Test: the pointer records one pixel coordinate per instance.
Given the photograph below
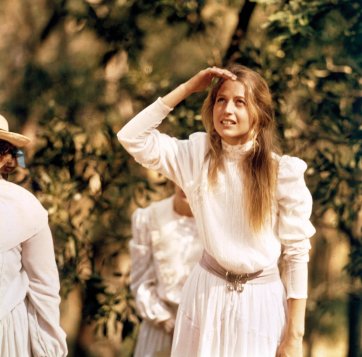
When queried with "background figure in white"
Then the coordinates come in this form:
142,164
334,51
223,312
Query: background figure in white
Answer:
164,249
29,281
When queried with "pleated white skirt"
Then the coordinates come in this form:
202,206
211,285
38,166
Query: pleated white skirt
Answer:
152,341
14,333
215,322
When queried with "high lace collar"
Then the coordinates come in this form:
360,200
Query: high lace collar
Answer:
235,151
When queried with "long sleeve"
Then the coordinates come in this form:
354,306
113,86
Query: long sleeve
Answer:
179,160
294,226
47,337
143,274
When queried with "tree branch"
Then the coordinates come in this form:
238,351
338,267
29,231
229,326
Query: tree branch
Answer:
240,31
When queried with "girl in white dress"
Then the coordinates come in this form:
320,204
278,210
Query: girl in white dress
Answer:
29,280
251,207
164,248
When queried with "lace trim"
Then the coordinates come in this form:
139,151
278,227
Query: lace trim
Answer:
235,151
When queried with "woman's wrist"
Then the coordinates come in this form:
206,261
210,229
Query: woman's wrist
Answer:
188,88
294,333
296,316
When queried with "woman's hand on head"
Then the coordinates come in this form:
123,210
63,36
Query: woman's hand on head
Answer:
200,81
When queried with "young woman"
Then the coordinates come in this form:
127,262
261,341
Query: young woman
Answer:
164,248
29,281
251,207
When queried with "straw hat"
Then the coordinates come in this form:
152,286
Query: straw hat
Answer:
13,138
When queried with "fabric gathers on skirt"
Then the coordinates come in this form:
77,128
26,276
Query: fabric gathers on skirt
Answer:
155,341
213,321
15,344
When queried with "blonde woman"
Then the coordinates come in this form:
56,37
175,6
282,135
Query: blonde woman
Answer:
251,207
29,281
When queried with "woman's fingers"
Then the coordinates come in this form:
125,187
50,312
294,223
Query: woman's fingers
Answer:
222,73
203,79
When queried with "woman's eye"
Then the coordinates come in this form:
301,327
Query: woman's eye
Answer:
220,100
240,102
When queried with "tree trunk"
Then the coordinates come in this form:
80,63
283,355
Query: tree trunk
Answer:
240,31
355,323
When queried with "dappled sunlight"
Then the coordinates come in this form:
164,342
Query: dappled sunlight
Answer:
72,73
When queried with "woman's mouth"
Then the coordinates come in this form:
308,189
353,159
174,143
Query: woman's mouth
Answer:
227,122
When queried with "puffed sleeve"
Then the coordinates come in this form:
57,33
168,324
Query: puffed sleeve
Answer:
294,226
178,160
143,275
47,337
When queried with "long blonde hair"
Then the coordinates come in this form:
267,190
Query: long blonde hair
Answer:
257,166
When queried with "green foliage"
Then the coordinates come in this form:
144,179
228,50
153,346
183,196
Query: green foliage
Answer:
78,179
325,314
116,22
354,267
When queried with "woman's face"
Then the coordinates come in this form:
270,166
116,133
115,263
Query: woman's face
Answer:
8,164
230,115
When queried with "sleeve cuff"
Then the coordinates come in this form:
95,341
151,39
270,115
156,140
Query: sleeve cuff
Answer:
165,106
148,118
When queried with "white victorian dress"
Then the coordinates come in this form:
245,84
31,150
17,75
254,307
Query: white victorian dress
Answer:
213,321
29,280
164,249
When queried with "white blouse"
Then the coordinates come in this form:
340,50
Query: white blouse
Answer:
28,271
219,212
164,248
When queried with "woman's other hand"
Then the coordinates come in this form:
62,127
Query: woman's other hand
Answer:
168,325
290,347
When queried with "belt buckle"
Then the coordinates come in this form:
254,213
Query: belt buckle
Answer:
236,282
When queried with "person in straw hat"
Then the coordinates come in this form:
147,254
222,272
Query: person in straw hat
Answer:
29,280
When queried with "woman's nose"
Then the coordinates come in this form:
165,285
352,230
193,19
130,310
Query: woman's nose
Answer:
229,106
